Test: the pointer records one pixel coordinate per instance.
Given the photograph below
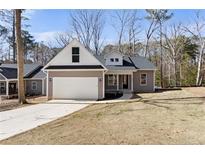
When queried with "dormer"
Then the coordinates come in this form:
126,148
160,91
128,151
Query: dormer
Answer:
113,58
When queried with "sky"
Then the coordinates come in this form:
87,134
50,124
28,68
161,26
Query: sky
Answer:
46,23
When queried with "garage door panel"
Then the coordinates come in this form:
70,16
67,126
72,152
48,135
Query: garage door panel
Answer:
75,87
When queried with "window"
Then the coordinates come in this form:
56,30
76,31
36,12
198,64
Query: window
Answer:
75,55
112,59
116,59
143,79
112,80
34,85
2,86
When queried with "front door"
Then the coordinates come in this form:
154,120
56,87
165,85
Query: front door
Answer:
125,81
12,88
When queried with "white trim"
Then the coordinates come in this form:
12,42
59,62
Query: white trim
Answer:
24,79
103,84
12,79
42,86
34,79
120,72
3,76
117,81
140,79
47,80
75,70
7,87
4,85
132,82
32,85
154,80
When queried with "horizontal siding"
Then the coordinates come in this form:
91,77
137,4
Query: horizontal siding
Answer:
150,81
28,85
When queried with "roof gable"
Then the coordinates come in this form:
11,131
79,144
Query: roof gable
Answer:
9,71
64,57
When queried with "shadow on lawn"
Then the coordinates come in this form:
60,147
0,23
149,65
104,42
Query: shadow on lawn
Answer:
175,101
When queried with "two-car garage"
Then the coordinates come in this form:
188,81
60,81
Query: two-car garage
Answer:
75,73
75,85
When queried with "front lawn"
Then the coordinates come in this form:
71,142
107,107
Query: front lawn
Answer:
172,117
10,104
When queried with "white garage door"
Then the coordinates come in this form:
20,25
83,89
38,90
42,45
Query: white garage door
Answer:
75,87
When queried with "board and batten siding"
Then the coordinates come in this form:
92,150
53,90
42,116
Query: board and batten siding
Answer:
149,87
98,74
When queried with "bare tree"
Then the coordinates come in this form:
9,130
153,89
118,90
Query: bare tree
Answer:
149,32
133,29
120,22
125,23
63,39
174,44
98,26
20,56
87,27
197,31
160,16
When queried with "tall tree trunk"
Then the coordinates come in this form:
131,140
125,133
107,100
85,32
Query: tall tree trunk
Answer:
146,48
20,57
199,65
161,57
14,38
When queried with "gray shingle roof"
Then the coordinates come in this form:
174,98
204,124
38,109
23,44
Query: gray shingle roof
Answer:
129,63
9,73
142,63
39,75
10,70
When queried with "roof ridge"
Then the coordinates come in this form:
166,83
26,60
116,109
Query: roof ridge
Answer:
36,70
133,62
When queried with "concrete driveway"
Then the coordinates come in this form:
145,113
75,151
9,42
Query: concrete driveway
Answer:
16,121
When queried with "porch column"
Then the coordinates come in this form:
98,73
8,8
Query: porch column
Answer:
7,88
117,82
42,86
103,84
132,82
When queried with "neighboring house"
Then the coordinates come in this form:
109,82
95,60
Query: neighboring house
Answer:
34,77
75,73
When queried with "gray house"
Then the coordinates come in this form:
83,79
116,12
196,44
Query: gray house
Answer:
75,73
34,77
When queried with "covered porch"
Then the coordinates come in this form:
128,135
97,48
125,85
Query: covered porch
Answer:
8,88
119,82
